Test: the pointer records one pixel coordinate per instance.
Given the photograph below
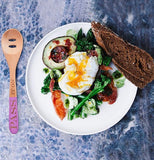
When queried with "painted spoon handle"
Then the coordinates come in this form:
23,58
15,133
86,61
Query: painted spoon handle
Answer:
13,111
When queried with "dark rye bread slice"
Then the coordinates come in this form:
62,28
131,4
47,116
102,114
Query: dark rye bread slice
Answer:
134,80
130,58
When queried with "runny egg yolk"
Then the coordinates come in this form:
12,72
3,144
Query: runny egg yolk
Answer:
76,75
79,73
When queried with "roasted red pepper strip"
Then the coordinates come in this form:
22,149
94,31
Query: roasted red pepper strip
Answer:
111,98
57,102
51,85
105,68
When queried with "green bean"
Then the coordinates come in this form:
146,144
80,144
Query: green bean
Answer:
81,96
90,95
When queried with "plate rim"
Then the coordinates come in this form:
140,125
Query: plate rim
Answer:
27,90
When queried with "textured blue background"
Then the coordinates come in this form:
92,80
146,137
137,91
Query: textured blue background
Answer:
130,139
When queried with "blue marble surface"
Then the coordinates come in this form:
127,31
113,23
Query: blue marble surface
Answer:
130,139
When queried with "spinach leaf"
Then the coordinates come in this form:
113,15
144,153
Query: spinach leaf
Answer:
106,60
85,43
90,35
46,70
80,34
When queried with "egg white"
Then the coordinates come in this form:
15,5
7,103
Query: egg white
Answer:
90,70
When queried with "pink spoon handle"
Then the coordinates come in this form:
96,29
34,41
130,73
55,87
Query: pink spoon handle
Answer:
13,110
13,115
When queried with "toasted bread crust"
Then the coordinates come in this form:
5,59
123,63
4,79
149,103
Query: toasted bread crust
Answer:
131,59
134,80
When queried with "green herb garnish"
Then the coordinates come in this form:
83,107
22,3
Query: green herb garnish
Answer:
45,89
46,70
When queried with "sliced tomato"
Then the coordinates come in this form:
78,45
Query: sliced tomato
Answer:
105,68
58,104
57,101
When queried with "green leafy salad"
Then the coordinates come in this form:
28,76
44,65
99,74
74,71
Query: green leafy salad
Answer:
78,75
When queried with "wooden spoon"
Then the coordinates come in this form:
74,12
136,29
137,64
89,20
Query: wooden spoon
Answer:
12,44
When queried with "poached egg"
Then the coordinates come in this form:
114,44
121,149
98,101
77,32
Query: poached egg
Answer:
79,73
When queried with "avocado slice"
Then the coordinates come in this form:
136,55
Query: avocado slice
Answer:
99,53
57,50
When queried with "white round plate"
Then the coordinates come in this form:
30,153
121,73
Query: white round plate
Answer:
109,114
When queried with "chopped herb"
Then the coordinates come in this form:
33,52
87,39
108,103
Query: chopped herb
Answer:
46,70
45,89
47,80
